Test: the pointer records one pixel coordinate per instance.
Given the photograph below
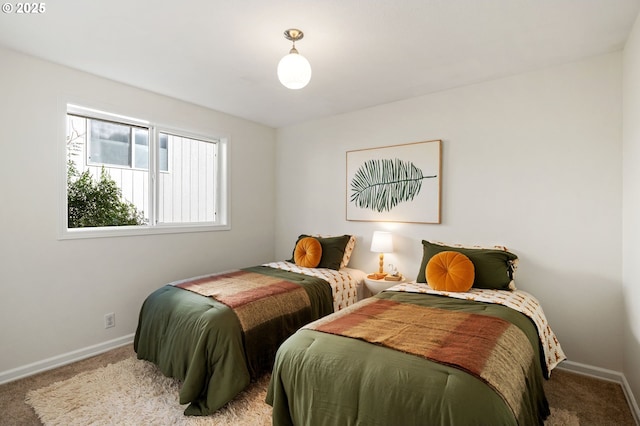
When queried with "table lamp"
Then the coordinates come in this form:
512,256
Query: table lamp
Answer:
381,243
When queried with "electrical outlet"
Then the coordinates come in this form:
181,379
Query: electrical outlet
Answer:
109,320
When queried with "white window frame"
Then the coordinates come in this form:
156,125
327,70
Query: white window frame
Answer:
221,201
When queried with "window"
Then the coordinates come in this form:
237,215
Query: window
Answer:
130,176
111,144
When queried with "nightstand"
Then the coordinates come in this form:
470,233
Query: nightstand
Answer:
376,286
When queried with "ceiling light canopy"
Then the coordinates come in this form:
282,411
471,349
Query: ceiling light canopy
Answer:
294,71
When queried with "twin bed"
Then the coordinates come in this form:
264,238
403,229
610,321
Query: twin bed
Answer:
409,355
413,355
218,332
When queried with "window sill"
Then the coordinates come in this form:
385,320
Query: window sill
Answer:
129,231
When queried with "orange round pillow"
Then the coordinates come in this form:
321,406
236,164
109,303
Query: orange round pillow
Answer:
308,253
450,271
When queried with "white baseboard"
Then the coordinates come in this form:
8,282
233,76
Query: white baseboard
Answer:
605,374
64,359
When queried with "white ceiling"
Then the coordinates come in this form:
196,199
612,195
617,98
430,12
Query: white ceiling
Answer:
223,54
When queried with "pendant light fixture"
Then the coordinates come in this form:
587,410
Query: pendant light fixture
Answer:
294,71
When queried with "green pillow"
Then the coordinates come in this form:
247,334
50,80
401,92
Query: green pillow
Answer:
332,250
493,267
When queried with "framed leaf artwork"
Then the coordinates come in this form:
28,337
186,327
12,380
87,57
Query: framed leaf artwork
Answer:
399,183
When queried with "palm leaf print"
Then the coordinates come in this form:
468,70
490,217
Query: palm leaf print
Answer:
382,184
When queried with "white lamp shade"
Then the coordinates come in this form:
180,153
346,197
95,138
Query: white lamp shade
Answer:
382,242
294,71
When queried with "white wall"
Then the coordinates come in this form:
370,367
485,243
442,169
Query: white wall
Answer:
531,161
55,293
631,207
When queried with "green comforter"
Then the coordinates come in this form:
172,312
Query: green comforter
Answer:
324,379
199,340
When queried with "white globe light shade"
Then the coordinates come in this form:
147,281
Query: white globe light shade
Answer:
294,71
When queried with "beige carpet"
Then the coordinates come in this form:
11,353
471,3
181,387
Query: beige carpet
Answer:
134,392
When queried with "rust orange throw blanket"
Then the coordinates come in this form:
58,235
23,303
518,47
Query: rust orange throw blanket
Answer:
255,298
269,309
492,349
